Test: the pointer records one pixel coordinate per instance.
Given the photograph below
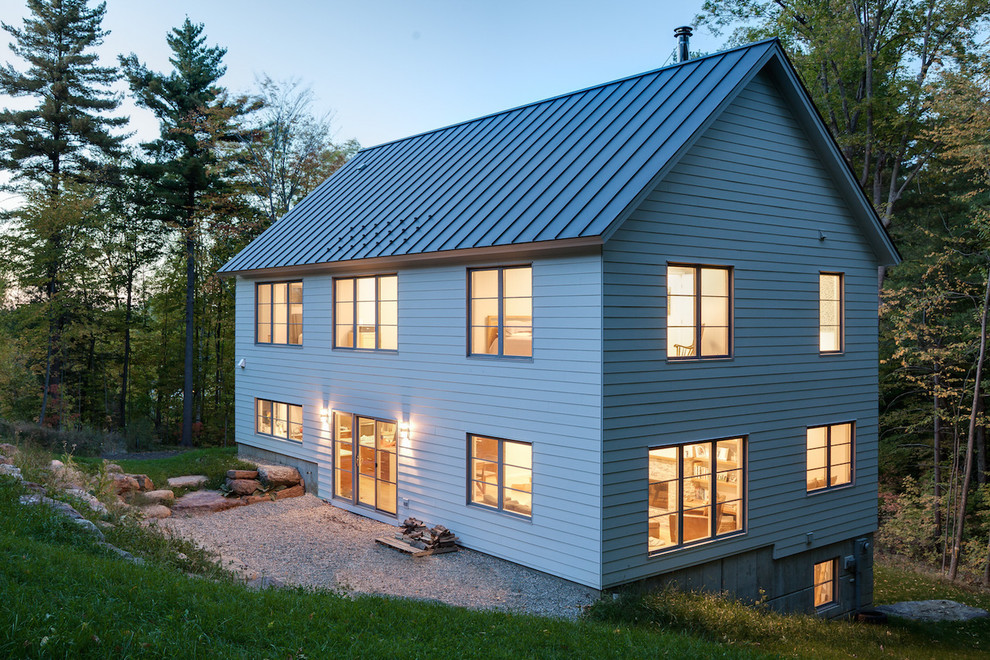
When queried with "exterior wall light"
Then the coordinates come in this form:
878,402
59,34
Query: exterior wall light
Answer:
404,430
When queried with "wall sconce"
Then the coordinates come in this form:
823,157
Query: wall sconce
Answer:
404,430
325,417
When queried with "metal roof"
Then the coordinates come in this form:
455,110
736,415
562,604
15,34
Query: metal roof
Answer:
564,168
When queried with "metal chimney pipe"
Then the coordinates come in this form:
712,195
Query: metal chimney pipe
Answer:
683,35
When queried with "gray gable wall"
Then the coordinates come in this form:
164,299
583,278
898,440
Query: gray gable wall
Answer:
752,194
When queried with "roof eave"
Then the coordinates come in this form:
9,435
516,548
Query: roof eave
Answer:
516,251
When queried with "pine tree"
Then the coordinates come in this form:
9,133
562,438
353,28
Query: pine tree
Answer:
64,137
189,178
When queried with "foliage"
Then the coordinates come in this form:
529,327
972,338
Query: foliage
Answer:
210,461
718,618
907,523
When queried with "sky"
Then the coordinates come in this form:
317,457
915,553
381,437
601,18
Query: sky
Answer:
389,69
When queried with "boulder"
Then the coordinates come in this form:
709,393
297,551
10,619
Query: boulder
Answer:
159,496
113,468
124,484
243,486
90,501
56,465
143,482
6,461
189,481
8,449
933,610
295,491
204,501
278,475
155,511
11,471
242,474
254,499
66,510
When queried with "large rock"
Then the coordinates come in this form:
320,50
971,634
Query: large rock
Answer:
159,496
8,449
278,475
11,471
242,474
933,610
204,501
143,481
124,483
112,468
243,486
66,510
294,491
189,481
6,461
155,511
90,501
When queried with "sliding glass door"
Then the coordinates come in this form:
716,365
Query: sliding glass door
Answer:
365,463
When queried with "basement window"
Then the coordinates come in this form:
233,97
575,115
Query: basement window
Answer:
825,583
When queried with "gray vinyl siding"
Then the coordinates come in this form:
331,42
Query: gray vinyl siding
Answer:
552,401
750,194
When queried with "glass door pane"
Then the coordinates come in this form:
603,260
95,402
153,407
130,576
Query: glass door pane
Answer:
366,461
387,465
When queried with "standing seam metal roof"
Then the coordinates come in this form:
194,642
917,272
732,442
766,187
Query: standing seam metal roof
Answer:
562,168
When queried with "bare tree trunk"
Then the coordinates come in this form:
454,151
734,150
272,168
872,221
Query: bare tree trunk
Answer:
127,348
187,389
937,454
971,438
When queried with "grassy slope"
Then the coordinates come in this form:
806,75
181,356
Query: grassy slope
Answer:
65,597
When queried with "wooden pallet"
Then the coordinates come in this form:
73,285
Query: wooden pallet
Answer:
411,549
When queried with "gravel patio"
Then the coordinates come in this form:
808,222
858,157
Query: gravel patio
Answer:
308,542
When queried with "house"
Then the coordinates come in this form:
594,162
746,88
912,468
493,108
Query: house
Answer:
626,335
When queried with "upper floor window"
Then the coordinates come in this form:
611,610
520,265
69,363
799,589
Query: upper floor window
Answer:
501,474
279,311
695,492
830,451
281,420
501,311
366,312
698,311
830,312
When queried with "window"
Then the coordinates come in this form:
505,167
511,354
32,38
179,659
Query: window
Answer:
830,456
698,312
501,474
695,492
280,420
365,463
830,312
825,574
279,309
366,312
501,314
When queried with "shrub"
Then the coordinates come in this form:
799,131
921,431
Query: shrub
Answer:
907,523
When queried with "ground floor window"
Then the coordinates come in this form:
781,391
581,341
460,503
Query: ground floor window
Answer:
696,492
501,474
365,463
825,575
280,420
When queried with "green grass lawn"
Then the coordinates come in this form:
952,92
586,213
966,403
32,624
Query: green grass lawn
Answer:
65,596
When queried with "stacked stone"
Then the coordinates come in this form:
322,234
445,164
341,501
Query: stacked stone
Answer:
267,483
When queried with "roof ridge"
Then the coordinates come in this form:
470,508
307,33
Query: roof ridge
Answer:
566,94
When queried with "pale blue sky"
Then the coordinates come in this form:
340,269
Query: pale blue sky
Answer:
391,69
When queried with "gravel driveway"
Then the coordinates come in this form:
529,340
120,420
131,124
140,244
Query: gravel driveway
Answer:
306,541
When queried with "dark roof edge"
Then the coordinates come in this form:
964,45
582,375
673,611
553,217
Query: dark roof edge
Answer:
516,251
566,94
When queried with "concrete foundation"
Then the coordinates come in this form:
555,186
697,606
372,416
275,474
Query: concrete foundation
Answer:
785,584
306,468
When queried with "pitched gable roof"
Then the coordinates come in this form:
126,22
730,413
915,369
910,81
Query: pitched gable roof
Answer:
569,167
